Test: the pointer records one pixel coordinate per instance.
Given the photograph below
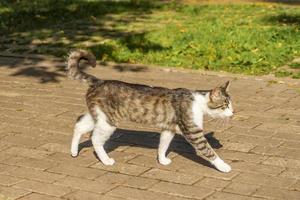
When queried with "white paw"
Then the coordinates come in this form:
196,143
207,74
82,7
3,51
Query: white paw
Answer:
74,153
109,161
224,167
221,165
165,161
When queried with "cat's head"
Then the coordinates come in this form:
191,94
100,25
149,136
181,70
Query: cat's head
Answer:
219,104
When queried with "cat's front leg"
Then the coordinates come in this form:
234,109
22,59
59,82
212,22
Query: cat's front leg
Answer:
196,138
164,143
220,165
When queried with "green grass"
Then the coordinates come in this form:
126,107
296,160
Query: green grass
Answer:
295,65
251,39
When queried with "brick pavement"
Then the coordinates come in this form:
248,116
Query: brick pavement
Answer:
39,105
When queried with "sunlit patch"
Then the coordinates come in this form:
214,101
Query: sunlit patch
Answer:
221,123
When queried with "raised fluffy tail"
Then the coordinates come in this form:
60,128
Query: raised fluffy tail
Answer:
73,70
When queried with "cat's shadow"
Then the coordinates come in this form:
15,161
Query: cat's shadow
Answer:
179,145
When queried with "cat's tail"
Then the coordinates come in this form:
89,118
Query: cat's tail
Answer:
73,70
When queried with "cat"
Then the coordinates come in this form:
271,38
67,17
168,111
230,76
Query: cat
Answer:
174,111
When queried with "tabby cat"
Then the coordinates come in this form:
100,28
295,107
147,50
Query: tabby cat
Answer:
174,111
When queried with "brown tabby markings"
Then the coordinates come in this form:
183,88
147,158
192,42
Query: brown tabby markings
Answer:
167,109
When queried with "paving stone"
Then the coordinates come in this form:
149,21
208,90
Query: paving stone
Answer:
277,151
85,184
4,156
55,147
182,190
241,156
258,168
142,151
80,195
18,113
255,140
265,180
12,193
122,168
170,176
292,135
296,186
43,188
9,180
270,193
291,144
214,183
40,164
4,145
229,196
122,156
261,150
241,188
244,123
33,174
291,173
36,196
250,132
282,162
126,180
25,152
235,146
6,168
22,141
284,131
132,193
147,161
81,160
76,171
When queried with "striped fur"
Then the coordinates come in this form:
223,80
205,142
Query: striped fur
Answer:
73,70
174,111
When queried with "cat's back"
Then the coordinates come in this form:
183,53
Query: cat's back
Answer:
138,103
130,90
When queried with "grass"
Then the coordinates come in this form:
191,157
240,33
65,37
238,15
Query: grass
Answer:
240,38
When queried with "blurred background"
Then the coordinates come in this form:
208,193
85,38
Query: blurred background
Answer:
239,36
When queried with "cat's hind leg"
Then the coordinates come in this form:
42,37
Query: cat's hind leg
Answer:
102,132
84,124
164,143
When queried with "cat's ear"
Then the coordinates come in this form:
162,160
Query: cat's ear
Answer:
215,94
225,86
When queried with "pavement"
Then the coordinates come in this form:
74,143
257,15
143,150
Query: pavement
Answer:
39,106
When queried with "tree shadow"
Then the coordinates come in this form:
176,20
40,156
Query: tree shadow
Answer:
54,27
36,68
125,68
289,2
145,139
39,14
137,41
284,19
40,72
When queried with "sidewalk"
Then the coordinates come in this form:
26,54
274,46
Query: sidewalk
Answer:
39,106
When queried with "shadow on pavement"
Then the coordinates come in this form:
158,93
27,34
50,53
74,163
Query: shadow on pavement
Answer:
123,137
